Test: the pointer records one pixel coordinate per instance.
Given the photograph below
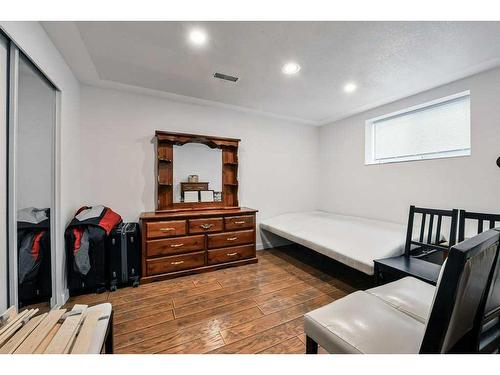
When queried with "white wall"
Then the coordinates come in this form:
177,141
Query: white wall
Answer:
278,159
385,191
34,41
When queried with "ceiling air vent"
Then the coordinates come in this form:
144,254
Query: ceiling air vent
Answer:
225,77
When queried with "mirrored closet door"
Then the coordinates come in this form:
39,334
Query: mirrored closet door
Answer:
32,117
3,171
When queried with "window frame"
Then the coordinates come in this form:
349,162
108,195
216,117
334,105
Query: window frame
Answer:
370,133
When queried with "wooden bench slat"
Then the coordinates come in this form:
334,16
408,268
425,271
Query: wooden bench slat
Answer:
11,345
84,338
31,344
67,331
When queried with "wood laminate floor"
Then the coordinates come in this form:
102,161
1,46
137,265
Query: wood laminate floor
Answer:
256,308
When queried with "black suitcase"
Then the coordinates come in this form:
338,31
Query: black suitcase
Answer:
123,256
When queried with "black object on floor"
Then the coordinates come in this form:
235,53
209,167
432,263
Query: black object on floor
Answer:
123,256
95,280
86,238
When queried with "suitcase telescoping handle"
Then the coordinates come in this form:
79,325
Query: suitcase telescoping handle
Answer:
123,249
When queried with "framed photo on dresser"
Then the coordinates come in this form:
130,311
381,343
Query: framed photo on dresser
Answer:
191,197
206,196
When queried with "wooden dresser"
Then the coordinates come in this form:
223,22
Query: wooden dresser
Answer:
176,243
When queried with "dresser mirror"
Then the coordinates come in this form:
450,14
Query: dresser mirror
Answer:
197,173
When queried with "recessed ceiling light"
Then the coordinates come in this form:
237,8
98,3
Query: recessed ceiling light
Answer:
290,68
198,37
350,87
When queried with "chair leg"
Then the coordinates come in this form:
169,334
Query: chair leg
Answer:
311,346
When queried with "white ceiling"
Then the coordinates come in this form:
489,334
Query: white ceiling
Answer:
387,60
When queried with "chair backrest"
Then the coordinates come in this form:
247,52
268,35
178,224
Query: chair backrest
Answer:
431,238
461,295
489,337
476,222
483,221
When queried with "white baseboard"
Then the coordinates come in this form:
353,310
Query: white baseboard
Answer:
64,296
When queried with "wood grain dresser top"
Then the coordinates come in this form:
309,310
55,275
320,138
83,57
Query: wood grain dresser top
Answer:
171,214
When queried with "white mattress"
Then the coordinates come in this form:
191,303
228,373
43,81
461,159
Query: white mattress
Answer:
351,240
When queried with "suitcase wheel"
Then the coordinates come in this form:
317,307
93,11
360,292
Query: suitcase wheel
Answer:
112,285
135,284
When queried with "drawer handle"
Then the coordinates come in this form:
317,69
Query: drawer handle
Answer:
206,226
177,245
177,263
166,229
240,222
232,238
231,254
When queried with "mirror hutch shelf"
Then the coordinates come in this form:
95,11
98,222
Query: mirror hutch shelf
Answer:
182,238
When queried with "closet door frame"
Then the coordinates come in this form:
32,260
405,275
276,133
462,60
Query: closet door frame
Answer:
4,84
55,222
11,189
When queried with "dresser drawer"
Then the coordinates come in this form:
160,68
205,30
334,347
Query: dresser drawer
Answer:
177,245
239,222
205,225
157,229
175,263
230,239
230,254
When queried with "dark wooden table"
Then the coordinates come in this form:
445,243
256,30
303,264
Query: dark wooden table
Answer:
390,269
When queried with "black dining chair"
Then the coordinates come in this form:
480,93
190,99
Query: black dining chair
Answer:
363,322
482,221
469,224
456,319
425,246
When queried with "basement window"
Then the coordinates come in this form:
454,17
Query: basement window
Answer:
432,130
